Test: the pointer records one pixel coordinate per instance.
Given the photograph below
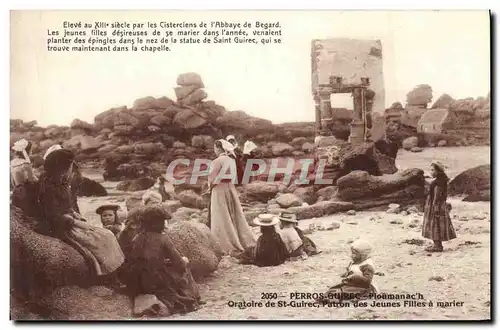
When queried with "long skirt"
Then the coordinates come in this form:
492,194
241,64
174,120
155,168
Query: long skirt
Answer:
227,221
99,247
437,224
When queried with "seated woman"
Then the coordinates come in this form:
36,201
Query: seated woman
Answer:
357,281
308,246
270,249
290,237
109,217
97,245
23,180
155,267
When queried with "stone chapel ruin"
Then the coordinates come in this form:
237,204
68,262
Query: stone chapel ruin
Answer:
348,66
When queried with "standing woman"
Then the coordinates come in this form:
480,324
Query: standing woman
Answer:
23,179
227,221
437,222
97,245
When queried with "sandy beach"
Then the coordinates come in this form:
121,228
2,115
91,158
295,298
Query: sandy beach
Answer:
457,279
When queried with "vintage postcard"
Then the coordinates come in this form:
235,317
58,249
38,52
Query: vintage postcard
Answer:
250,165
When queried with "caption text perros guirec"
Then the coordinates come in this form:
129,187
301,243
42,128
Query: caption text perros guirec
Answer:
157,37
341,300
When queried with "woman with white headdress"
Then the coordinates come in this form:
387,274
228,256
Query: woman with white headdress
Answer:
227,221
23,179
249,150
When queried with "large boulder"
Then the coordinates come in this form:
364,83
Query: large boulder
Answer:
194,98
305,194
40,263
107,118
85,304
474,182
190,79
189,119
183,214
288,200
160,120
410,143
85,187
149,148
365,190
81,125
261,191
239,121
82,142
195,241
136,184
191,199
282,149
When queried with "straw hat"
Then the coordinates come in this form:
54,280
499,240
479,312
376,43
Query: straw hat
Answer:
288,217
266,220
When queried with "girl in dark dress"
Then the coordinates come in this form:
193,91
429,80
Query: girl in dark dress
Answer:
270,249
437,224
155,267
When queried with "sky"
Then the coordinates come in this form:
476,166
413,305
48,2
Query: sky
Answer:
449,50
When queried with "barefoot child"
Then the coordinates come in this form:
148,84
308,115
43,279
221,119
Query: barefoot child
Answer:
357,281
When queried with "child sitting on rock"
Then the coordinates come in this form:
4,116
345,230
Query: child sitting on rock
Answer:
357,282
270,249
109,217
290,236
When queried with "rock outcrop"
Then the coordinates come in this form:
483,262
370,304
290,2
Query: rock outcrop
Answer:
475,183
342,158
367,191
41,263
195,241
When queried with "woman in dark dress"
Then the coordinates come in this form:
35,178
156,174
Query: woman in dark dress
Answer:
60,219
238,157
270,249
437,224
155,267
